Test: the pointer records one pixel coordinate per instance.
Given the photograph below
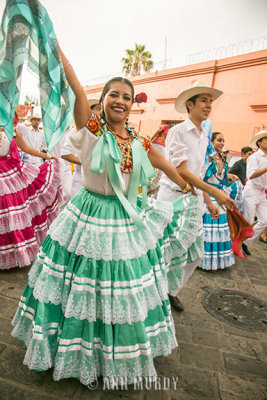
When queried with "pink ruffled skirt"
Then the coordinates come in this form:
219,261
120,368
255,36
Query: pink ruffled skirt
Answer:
29,198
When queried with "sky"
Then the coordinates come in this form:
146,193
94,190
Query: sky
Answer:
95,33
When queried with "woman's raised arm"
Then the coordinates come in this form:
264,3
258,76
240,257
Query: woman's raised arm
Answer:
82,111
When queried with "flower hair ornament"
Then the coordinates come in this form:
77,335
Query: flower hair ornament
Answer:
140,98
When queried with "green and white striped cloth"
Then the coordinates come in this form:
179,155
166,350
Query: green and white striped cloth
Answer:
27,37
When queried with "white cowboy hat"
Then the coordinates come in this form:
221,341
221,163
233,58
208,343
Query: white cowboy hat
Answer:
225,150
93,102
37,113
257,137
193,90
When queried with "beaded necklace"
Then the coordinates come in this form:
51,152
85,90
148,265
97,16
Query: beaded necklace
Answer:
116,134
220,163
124,145
104,123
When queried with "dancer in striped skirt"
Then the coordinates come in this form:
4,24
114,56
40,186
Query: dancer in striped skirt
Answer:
217,241
29,197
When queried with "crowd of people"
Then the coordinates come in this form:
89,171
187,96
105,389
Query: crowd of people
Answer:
107,262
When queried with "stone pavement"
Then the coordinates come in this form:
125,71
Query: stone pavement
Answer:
214,360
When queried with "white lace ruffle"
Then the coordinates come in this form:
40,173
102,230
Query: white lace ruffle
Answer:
92,243
56,281
217,235
50,349
79,302
19,257
41,355
11,180
213,264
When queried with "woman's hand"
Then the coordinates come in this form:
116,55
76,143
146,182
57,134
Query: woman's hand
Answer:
50,157
232,177
223,199
213,210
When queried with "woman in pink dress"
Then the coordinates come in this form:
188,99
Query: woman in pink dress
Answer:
29,197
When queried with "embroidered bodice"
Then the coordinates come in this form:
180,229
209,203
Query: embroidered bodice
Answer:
95,126
104,166
216,173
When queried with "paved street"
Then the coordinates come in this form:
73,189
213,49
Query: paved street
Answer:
215,360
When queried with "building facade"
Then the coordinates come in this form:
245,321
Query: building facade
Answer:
239,113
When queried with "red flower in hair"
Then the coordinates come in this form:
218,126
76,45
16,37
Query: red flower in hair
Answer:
141,98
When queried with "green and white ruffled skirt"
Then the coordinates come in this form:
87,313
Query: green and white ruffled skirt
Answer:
96,302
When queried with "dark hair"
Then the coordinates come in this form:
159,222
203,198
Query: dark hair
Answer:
116,79
93,106
193,99
257,143
214,135
246,149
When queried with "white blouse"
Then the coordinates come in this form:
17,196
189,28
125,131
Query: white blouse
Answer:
85,142
4,144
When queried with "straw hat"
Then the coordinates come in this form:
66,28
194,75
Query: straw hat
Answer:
257,137
93,102
225,150
195,89
37,113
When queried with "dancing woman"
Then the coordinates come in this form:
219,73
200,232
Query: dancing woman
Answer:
96,302
29,197
217,242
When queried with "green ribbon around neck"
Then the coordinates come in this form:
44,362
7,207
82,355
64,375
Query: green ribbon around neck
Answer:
107,154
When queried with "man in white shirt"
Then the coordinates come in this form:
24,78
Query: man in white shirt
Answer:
255,191
186,147
33,136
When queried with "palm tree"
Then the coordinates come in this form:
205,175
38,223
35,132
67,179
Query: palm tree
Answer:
31,101
136,60
128,62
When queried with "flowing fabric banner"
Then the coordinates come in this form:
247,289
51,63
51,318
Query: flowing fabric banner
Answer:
27,37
